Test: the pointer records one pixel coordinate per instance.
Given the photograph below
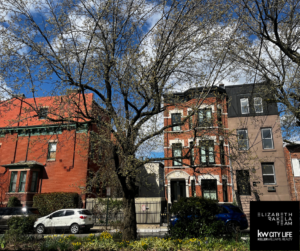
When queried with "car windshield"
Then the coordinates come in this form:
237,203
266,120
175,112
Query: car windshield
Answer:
85,212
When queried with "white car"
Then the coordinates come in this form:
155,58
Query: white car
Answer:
67,219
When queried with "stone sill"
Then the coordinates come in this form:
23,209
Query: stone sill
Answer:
51,160
269,150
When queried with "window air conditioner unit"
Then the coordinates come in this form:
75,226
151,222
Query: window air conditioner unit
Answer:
271,189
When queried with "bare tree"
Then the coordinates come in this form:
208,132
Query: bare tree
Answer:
127,52
266,48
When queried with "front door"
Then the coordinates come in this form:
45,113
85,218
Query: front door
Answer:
177,190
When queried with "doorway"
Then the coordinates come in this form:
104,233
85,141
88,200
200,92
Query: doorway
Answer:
177,190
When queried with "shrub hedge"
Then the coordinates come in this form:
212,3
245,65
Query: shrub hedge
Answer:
14,202
197,218
50,202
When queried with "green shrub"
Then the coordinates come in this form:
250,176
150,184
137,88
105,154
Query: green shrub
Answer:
14,202
197,218
50,202
23,224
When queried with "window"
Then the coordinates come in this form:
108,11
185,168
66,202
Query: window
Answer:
33,187
222,155
13,181
176,118
69,212
267,140
43,112
243,182
52,150
190,120
244,105
219,116
192,153
58,214
204,117
177,152
209,189
268,173
258,107
207,155
243,139
85,212
22,181
193,185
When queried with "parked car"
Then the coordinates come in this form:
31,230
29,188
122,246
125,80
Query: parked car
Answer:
7,212
231,215
73,220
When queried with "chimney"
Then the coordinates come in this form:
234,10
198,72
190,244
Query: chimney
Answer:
72,91
222,86
18,95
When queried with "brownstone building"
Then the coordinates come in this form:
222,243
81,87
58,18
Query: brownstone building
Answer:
200,145
40,156
258,161
292,161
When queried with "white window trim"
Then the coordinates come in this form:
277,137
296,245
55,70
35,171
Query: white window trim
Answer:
209,177
176,141
247,105
263,138
261,105
175,111
268,174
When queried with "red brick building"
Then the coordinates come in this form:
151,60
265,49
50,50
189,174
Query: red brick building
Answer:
41,156
202,167
292,162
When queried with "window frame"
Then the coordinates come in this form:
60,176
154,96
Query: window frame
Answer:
34,182
174,147
174,121
205,121
207,144
215,187
244,99
190,120
261,105
273,167
49,152
219,116
247,139
247,189
192,154
21,182
222,153
13,175
262,139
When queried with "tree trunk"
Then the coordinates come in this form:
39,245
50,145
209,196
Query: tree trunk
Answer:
129,224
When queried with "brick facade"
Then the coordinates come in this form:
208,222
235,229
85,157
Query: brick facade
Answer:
188,176
24,146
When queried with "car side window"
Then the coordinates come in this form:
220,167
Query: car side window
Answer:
69,213
58,214
223,210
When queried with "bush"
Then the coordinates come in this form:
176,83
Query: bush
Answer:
50,202
197,218
14,202
23,224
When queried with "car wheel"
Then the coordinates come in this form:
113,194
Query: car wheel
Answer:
74,228
40,229
232,227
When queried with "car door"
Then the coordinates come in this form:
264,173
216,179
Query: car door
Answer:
58,219
223,214
69,218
